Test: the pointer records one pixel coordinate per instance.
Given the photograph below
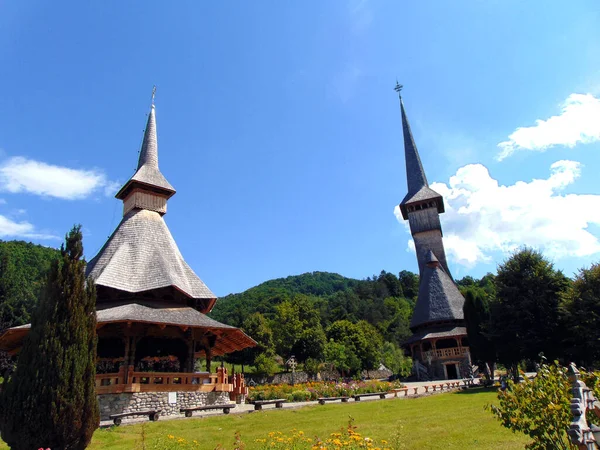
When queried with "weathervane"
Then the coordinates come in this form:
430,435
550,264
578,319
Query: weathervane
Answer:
398,88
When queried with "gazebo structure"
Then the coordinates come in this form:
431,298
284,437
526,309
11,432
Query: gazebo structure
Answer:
439,344
151,308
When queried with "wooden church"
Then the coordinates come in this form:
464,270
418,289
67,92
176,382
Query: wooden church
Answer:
439,344
151,308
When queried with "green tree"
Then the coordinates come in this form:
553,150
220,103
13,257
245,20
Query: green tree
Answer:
359,339
477,317
583,341
265,364
340,358
370,354
393,358
50,401
257,327
528,311
297,329
410,284
396,328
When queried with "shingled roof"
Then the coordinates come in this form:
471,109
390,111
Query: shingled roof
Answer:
229,338
418,187
141,255
439,299
148,173
436,333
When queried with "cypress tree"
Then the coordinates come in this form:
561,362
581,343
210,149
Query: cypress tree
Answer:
50,401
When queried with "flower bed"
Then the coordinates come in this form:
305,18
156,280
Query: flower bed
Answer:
304,392
347,438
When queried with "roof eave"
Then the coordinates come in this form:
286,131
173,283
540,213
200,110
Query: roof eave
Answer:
159,189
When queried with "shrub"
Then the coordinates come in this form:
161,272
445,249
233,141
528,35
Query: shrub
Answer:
540,407
264,364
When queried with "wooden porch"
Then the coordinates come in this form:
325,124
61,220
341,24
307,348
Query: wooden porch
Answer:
128,380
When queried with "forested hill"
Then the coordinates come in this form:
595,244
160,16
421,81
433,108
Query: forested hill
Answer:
385,301
23,267
233,308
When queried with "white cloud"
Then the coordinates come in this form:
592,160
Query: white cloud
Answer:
19,174
578,122
361,15
483,216
111,188
11,229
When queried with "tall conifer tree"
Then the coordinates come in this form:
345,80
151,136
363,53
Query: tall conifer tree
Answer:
50,401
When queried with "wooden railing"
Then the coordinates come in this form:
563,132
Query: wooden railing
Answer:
445,353
127,380
239,385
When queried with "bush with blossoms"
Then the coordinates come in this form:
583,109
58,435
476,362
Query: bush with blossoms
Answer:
303,392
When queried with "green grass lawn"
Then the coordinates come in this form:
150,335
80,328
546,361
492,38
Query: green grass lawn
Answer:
445,421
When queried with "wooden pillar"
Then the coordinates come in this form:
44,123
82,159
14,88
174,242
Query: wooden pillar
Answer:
190,356
208,351
126,355
134,342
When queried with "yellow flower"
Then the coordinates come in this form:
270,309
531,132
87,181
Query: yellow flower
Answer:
180,440
383,441
171,436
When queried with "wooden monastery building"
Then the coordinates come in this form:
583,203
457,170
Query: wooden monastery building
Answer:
151,308
439,344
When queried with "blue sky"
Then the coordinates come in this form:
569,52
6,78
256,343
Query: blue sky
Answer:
279,127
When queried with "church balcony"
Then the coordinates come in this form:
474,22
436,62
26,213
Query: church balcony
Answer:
127,380
444,353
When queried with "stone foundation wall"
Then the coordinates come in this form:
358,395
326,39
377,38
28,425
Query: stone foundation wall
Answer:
436,369
143,401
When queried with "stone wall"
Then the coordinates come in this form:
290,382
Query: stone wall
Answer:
144,401
436,369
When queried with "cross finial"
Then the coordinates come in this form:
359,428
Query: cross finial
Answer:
398,88
153,94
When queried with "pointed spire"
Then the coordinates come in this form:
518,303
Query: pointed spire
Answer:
148,176
149,151
415,174
418,187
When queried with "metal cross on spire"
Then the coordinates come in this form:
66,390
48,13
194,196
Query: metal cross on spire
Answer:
153,94
398,88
